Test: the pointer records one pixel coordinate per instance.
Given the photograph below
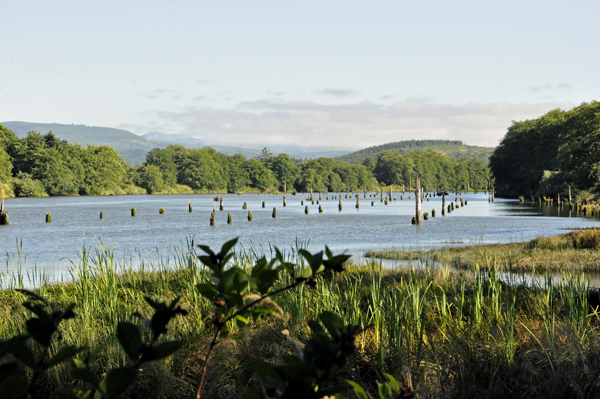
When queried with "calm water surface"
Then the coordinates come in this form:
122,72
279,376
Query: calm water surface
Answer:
76,223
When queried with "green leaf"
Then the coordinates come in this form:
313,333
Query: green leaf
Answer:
358,391
166,349
227,246
208,291
332,322
265,280
119,380
130,338
206,249
40,330
385,390
393,382
64,354
23,353
85,375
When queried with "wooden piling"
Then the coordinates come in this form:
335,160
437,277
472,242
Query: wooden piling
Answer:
221,204
132,211
274,214
320,208
190,208
263,204
212,218
357,203
161,211
249,216
284,202
245,206
101,215
418,202
229,218
48,218
3,215
433,213
306,209
340,205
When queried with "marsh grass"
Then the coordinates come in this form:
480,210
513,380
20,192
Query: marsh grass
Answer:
578,251
451,335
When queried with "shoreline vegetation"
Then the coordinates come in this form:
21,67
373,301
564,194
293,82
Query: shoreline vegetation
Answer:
44,165
574,252
448,334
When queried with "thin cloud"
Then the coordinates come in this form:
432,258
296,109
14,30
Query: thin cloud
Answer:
349,126
560,86
338,92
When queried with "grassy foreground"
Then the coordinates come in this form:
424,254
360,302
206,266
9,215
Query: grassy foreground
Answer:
574,252
450,335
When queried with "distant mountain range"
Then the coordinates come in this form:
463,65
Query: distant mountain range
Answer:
134,148
451,148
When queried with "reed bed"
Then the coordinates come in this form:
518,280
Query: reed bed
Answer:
448,334
574,252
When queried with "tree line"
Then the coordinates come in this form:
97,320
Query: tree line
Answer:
38,165
547,155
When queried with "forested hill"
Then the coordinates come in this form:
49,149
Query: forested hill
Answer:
132,147
451,148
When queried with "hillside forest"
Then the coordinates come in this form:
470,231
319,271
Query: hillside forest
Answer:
547,155
43,164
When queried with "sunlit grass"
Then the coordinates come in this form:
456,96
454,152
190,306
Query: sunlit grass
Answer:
449,334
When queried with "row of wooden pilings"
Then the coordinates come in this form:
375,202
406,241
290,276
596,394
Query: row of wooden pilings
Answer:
383,198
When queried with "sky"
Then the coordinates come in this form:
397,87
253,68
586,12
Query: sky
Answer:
321,74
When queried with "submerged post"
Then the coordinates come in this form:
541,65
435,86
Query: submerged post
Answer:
284,202
190,207
3,215
418,202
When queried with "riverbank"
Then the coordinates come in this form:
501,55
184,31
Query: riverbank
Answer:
573,252
447,334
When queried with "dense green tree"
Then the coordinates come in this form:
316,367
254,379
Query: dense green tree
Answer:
202,170
284,169
260,177
150,177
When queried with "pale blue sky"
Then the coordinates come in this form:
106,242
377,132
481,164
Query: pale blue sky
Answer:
343,74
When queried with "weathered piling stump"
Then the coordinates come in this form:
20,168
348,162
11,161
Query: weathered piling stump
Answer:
425,215
433,213
372,203
340,204
249,216
3,215
450,208
229,218
161,211
212,218
306,209
301,202
284,202
221,204
263,204
190,208
245,206
274,214
101,215
132,211
48,218
357,202
320,208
